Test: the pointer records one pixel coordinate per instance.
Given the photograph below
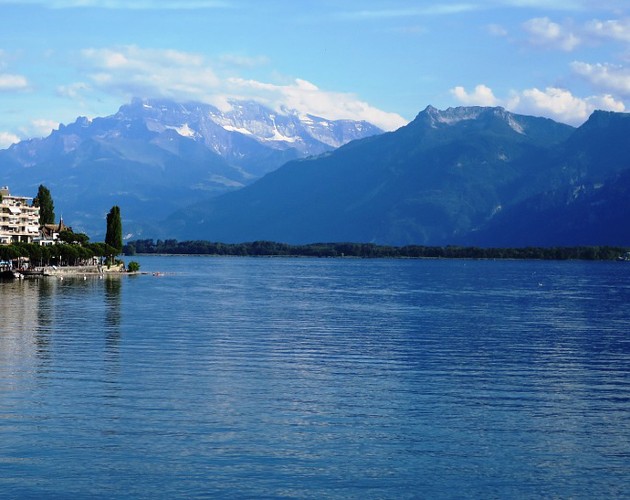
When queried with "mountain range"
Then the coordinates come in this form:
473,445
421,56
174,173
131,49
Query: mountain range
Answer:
155,156
468,176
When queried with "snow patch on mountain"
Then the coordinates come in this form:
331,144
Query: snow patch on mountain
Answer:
183,130
453,116
231,128
279,137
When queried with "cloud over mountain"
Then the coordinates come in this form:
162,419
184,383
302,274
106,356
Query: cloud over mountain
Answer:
609,82
609,77
6,139
544,32
359,59
136,71
552,102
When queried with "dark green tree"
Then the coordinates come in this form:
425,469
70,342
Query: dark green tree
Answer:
113,236
71,237
133,267
44,201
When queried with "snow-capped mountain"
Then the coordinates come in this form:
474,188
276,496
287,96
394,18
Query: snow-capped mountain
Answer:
460,176
154,156
444,177
247,130
536,128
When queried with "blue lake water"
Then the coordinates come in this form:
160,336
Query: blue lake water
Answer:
318,378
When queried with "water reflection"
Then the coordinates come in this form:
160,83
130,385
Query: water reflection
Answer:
40,318
113,287
252,378
45,291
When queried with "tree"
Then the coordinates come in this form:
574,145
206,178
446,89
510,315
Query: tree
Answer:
44,201
113,236
70,237
133,267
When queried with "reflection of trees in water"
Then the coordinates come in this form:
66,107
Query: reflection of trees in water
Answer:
38,317
45,320
18,323
113,287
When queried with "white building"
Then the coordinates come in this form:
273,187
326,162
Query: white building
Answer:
19,221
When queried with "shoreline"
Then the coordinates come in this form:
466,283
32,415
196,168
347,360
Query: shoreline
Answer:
81,270
69,272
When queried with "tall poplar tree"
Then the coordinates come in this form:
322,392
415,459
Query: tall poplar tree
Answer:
113,236
44,201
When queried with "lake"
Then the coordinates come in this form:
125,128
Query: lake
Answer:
318,378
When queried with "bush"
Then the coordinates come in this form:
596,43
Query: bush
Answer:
133,267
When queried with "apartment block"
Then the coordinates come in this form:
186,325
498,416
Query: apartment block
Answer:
19,220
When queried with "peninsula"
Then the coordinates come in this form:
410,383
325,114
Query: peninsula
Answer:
33,244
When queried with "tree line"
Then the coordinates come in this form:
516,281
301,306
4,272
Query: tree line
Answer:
368,250
63,254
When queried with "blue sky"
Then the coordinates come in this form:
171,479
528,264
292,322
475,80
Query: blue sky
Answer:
383,61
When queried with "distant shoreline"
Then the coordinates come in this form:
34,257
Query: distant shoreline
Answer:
368,250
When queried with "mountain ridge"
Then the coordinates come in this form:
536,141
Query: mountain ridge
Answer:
414,185
154,156
468,175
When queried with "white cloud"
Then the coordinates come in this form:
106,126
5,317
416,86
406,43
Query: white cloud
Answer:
546,33
435,9
126,4
40,127
7,138
552,102
562,105
133,71
137,72
73,91
543,32
307,98
481,96
496,30
612,29
608,77
548,4
244,61
10,82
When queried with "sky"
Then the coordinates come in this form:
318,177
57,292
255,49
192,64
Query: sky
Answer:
377,60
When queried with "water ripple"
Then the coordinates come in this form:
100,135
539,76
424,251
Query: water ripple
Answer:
318,378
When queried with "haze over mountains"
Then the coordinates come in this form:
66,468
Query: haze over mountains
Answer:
468,175
154,156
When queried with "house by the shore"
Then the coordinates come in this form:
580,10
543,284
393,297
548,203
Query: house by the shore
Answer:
49,233
19,219
19,222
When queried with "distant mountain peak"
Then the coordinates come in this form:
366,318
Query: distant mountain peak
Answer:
436,118
189,150
284,129
602,119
